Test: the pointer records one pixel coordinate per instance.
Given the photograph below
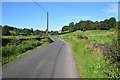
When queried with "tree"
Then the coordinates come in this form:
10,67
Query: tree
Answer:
16,31
32,30
5,31
65,28
54,32
90,25
112,22
84,25
37,32
104,25
71,24
26,31
0,30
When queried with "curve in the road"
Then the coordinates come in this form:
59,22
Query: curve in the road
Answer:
54,60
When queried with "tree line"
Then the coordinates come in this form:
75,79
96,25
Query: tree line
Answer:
9,30
90,25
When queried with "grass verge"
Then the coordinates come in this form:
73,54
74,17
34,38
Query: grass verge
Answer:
11,52
95,61
90,65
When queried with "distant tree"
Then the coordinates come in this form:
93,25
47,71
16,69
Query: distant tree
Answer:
54,32
71,24
65,28
112,22
26,31
104,25
32,30
90,25
77,26
71,29
5,31
84,25
37,32
0,30
16,31
118,25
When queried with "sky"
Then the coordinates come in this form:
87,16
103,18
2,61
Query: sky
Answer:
61,0
29,15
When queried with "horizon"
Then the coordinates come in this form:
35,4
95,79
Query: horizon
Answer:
49,30
60,13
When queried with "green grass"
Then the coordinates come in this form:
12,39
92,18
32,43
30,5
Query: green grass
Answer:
20,37
90,60
16,49
100,36
90,65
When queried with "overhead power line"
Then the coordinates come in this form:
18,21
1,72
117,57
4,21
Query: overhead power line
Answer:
39,6
46,14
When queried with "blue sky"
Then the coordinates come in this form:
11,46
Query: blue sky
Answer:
29,15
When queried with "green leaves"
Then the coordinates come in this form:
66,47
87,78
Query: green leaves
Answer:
90,25
15,49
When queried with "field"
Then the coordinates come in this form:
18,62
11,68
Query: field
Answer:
94,62
100,36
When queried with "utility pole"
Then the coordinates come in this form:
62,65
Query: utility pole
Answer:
47,25
46,16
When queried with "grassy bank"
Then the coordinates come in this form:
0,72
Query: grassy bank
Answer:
18,48
100,36
91,61
90,65
20,37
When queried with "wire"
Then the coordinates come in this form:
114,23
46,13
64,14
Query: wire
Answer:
39,6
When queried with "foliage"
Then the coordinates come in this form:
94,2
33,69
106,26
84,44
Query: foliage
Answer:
111,52
90,65
37,32
5,31
96,62
81,37
27,31
17,48
90,25
100,36
13,31
113,29
54,32
0,30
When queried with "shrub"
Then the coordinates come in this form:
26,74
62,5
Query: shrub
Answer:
81,37
113,29
113,56
13,49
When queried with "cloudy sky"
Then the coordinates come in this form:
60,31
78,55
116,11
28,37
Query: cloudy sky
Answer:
29,15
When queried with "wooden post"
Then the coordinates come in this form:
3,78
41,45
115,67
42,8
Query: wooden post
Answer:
47,25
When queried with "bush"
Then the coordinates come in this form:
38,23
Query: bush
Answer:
112,51
113,56
113,29
81,37
13,49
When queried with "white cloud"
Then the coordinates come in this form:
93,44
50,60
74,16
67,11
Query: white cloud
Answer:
77,17
112,8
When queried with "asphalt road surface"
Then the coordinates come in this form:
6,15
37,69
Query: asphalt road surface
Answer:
54,60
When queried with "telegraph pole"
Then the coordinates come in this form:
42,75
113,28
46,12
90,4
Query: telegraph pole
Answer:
46,16
47,25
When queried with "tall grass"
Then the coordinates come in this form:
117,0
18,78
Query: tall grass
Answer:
112,54
100,36
90,65
15,48
21,37
95,62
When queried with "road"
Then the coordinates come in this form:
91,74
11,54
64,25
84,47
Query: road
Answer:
54,60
